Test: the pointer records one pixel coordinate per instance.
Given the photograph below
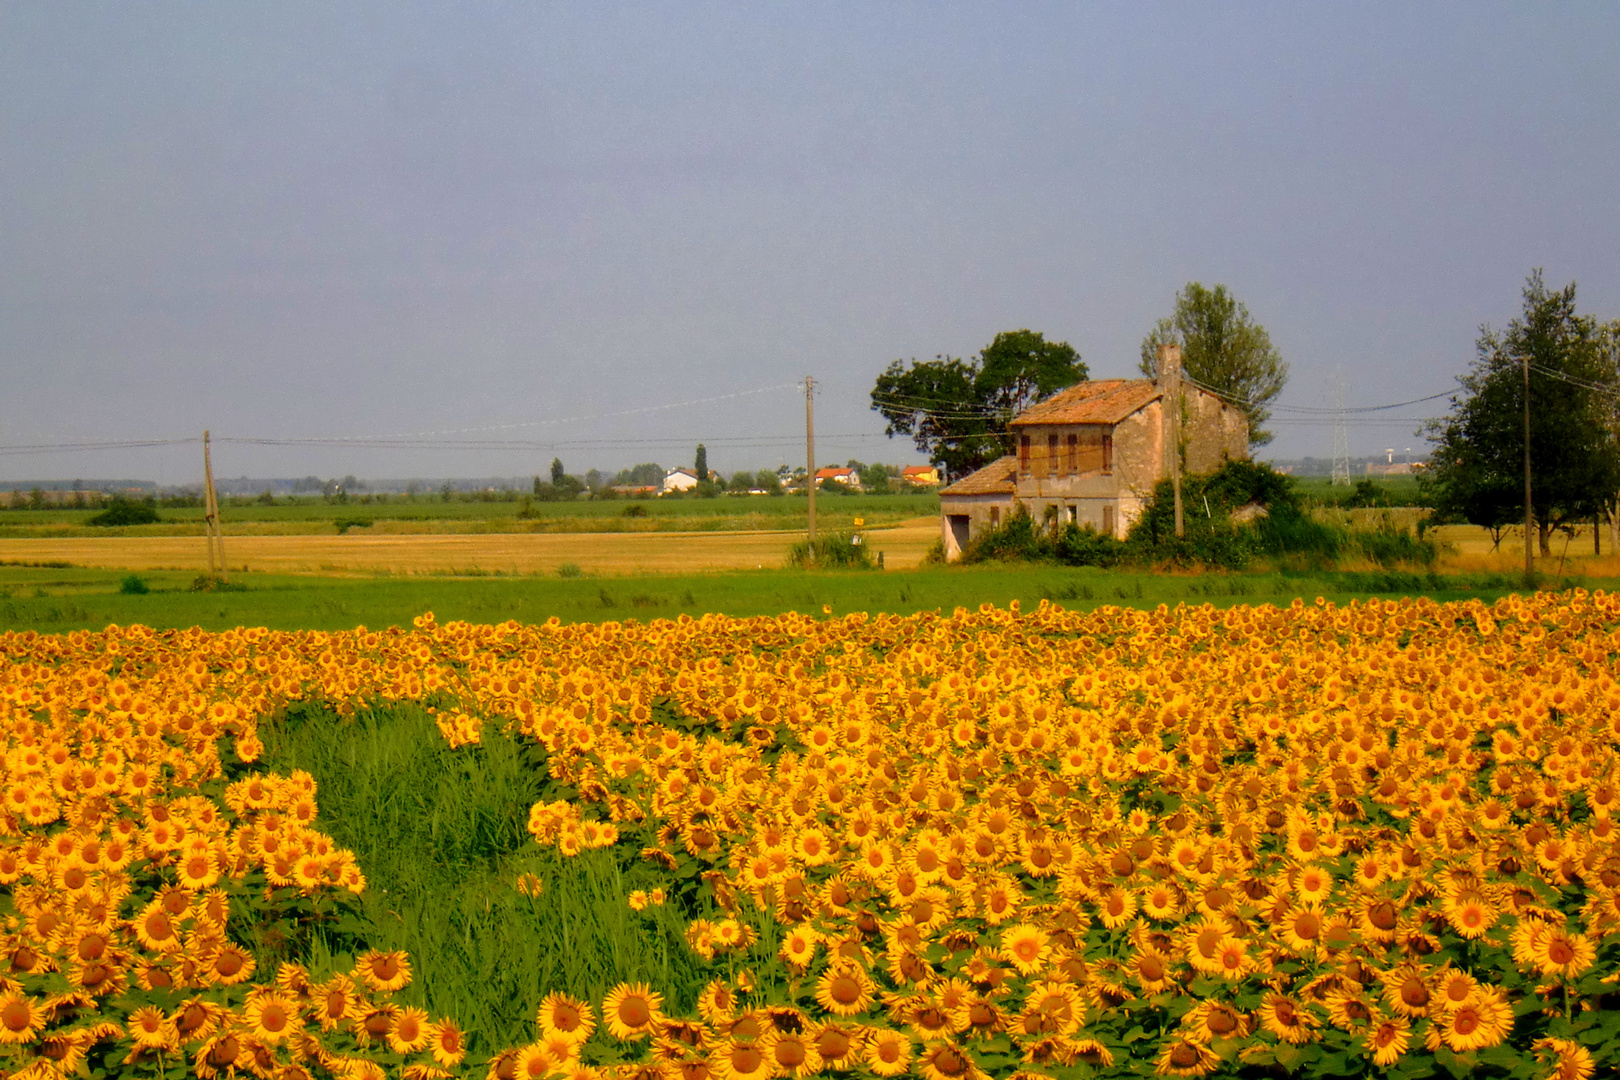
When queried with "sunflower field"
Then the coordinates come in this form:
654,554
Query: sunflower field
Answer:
1375,839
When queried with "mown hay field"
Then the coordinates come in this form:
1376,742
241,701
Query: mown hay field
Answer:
512,553
1315,840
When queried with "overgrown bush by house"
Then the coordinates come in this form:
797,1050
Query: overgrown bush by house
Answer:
1244,512
830,549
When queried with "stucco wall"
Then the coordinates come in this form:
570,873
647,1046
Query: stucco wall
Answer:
976,508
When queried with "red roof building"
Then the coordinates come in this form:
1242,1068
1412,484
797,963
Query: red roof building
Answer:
1090,455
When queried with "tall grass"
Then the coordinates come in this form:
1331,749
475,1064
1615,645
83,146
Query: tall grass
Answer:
440,835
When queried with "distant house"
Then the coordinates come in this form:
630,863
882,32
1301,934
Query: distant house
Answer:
679,480
920,475
840,474
1091,455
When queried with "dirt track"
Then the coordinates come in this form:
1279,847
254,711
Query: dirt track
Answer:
597,553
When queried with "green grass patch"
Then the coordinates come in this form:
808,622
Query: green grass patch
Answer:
58,599
440,835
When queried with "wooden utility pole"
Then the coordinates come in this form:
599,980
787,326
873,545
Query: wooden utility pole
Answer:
1170,372
810,455
216,542
1529,559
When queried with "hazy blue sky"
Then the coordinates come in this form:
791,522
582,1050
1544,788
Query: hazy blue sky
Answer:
289,220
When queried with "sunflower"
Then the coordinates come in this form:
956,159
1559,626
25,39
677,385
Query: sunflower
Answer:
1051,1009
844,989
532,1062
335,1000
1484,1021
717,1002
1313,884
799,948
1205,939
1116,907
887,1053
151,1029
1211,1020
384,972
1388,1040
1302,930
272,1016
1470,914
631,1009
1376,918
944,1061
155,929
569,1017
740,1061
223,1052
1406,990
1455,988
1287,1019
410,1031
1151,969
448,1044
1563,954
20,1021
1182,1058
838,1045
791,1053
1161,901
1570,1060
197,870
1026,947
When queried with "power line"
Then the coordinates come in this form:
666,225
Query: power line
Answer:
1584,384
104,444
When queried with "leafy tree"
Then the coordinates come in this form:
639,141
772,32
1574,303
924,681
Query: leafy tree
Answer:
647,474
595,479
122,511
701,465
768,480
875,478
1223,349
1477,468
557,472
741,481
956,411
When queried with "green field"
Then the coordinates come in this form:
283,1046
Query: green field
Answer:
1391,491
426,514
56,599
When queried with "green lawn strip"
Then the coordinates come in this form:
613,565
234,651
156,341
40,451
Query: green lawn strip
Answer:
61,599
440,835
722,513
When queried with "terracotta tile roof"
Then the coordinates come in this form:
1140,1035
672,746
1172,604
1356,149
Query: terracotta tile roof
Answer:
832,472
1105,401
995,478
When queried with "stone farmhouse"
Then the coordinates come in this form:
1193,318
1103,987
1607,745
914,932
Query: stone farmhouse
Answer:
1090,455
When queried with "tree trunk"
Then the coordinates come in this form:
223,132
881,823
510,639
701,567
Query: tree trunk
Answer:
1544,539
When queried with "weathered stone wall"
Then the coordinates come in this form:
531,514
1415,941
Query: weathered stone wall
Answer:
1139,458
1212,432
